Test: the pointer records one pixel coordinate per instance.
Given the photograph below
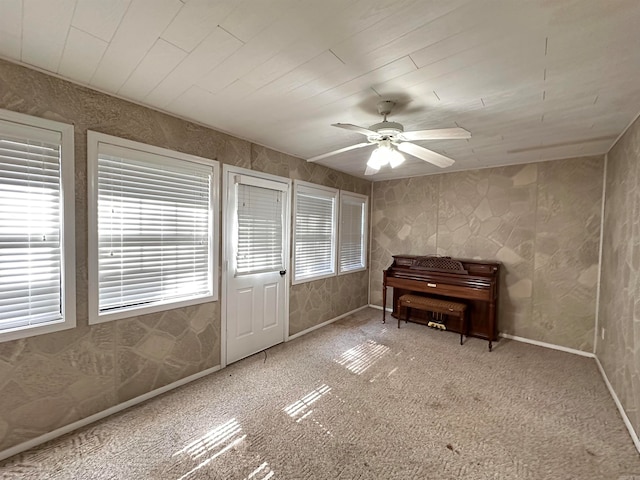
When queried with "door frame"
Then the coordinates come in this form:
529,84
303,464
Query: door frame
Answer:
226,247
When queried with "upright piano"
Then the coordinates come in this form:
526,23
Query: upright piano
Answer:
472,282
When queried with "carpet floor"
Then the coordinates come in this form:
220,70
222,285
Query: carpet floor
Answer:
361,400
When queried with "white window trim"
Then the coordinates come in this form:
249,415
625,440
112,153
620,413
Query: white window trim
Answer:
365,240
68,250
93,141
329,192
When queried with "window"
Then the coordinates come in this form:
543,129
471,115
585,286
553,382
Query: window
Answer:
37,265
314,232
260,229
353,232
151,218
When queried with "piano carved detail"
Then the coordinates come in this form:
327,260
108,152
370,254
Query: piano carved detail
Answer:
439,264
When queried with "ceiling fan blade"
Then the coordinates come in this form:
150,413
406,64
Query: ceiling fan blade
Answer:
371,171
437,134
425,154
355,128
335,152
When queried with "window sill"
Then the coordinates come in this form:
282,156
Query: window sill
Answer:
35,330
123,313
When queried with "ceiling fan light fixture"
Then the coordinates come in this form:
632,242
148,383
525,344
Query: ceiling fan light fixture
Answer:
390,139
396,158
379,158
383,155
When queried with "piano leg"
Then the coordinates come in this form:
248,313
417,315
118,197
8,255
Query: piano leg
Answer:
464,328
384,303
492,322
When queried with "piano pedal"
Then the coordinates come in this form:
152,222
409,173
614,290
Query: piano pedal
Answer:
439,324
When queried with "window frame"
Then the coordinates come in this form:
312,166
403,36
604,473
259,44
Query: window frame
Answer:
300,186
94,139
365,230
67,226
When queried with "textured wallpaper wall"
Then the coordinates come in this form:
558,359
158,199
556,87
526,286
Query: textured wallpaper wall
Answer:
619,351
52,380
541,220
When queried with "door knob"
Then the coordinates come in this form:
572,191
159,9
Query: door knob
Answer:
283,273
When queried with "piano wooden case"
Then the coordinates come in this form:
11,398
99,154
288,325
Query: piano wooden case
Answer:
474,282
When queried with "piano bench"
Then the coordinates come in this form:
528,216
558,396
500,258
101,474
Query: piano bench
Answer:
434,305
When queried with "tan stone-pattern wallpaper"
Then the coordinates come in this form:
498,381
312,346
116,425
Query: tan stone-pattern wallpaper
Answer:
313,303
404,219
619,314
541,220
52,380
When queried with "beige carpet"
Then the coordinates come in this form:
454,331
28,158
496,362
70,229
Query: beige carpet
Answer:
362,400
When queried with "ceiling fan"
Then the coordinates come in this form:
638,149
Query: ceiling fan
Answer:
391,139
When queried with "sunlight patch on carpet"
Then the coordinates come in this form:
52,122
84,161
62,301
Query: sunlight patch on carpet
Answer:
222,439
299,409
359,358
211,439
263,472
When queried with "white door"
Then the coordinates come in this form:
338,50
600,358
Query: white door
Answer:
256,257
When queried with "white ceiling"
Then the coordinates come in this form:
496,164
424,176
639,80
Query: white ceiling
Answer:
530,79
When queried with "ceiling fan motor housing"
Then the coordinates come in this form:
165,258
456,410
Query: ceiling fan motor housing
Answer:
387,128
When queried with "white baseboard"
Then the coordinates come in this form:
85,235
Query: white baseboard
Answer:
625,418
548,345
323,324
34,442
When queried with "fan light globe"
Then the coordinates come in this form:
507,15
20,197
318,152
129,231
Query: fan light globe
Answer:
378,158
385,154
395,158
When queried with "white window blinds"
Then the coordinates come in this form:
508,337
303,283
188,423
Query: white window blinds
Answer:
315,232
353,228
260,230
154,221
32,254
